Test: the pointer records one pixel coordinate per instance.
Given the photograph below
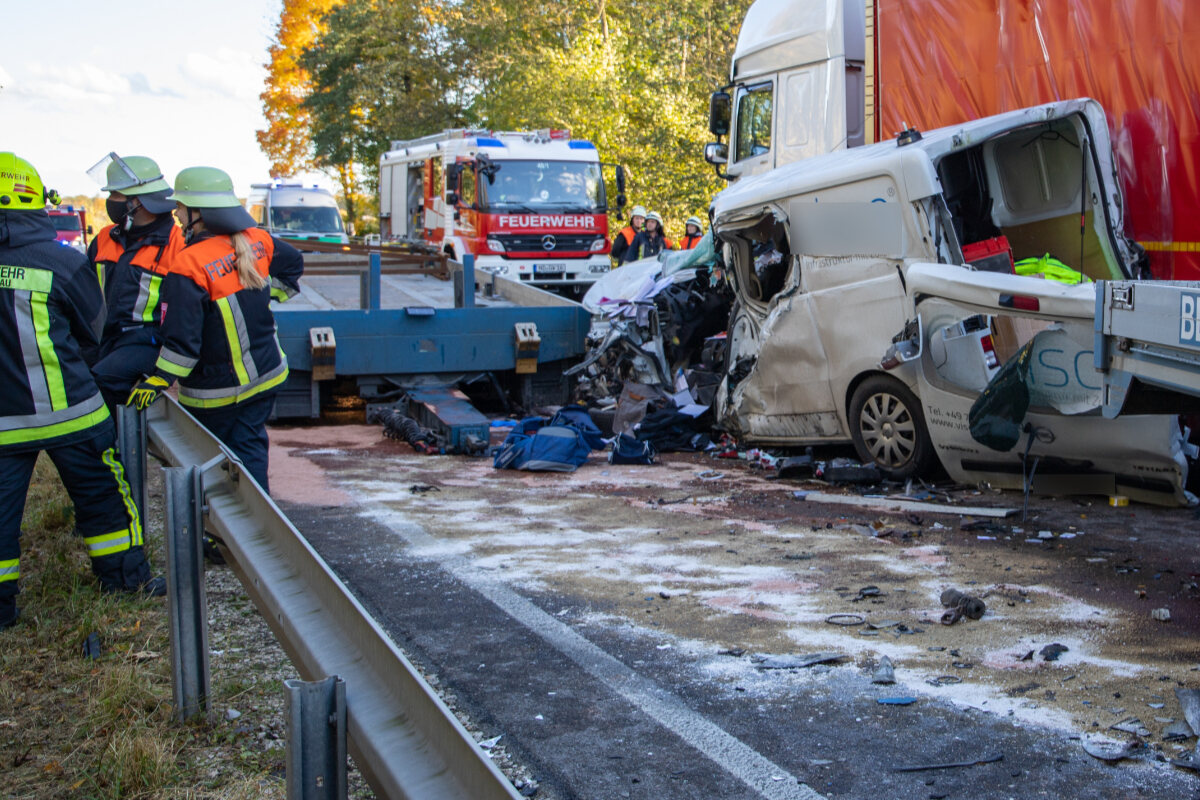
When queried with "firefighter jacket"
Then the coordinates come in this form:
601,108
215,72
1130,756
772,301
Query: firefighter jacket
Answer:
645,245
690,242
51,310
621,242
131,266
219,337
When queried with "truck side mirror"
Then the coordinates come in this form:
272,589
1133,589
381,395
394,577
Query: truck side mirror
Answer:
620,202
620,182
453,171
89,230
720,110
716,153
452,198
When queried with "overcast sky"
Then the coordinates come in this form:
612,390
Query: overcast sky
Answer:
178,82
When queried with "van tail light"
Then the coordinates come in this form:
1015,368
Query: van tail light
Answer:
1021,302
989,351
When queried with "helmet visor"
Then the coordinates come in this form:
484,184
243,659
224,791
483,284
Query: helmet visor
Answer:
115,175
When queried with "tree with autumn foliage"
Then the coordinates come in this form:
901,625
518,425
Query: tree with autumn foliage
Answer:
633,76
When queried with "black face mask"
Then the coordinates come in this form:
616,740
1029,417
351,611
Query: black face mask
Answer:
117,210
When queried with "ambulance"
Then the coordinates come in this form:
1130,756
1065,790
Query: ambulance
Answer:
529,205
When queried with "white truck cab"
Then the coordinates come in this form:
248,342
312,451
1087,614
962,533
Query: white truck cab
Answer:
795,66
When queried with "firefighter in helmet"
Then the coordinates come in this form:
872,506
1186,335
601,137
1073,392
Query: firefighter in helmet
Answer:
624,237
693,232
51,310
651,241
132,257
219,332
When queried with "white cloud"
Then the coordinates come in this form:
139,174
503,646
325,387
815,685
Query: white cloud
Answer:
72,82
227,72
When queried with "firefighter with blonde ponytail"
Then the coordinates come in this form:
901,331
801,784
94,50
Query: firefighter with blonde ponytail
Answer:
218,331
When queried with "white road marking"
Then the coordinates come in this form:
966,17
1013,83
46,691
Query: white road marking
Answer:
725,750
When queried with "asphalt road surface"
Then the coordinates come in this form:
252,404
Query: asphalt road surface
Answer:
627,631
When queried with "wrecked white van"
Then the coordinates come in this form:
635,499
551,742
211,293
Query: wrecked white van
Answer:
818,253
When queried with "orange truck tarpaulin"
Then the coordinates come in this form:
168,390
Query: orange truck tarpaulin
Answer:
940,62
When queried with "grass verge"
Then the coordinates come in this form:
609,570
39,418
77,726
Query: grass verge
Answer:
71,727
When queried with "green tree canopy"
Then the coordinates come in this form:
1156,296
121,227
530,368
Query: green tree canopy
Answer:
633,76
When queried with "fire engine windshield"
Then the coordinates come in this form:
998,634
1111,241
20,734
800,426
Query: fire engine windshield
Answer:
66,222
560,185
302,219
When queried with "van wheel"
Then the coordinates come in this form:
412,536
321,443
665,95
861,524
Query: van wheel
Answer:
889,430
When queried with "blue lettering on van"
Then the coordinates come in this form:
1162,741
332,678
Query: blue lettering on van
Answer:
1065,375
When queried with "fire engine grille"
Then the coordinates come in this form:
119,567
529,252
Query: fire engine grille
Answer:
538,243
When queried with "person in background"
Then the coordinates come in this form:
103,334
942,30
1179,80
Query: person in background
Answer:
650,242
625,236
693,232
51,310
132,257
219,337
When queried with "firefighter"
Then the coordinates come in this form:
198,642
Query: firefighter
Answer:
693,232
218,334
650,242
624,237
51,310
132,257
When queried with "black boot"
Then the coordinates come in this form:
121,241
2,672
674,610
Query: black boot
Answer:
8,611
128,572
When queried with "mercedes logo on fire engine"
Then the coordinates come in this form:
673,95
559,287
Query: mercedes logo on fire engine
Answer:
549,243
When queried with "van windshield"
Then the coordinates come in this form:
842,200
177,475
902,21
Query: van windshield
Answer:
306,219
552,185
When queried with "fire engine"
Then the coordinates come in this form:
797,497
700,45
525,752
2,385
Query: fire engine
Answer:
527,204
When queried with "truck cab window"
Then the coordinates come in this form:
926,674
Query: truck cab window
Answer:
753,121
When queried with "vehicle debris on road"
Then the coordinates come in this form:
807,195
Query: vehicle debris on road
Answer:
959,605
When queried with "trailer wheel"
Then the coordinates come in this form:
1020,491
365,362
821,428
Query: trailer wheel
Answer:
888,428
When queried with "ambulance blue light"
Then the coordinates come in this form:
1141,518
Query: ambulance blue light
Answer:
580,144
484,141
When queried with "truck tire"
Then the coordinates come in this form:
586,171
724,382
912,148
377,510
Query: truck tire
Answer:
889,430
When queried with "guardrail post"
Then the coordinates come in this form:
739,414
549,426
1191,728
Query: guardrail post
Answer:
131,445
468,281
374,292
316,743
185,590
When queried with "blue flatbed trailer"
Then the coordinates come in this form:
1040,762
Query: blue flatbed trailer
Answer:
354,321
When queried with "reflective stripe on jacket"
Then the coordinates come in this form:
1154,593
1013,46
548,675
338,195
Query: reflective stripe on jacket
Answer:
218,336
51,309
131,269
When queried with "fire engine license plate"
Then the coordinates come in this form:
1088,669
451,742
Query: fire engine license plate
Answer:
547,268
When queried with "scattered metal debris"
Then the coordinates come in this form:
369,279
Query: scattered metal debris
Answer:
885,673
797,662
923,767
1108,748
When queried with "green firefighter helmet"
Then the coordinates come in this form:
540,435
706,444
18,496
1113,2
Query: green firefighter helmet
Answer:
210,191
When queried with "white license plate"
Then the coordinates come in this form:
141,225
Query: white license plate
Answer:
549,267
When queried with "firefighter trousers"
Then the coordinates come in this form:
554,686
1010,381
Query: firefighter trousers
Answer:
105,514
242,427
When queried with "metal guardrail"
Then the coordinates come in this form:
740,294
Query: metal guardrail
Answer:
405,740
